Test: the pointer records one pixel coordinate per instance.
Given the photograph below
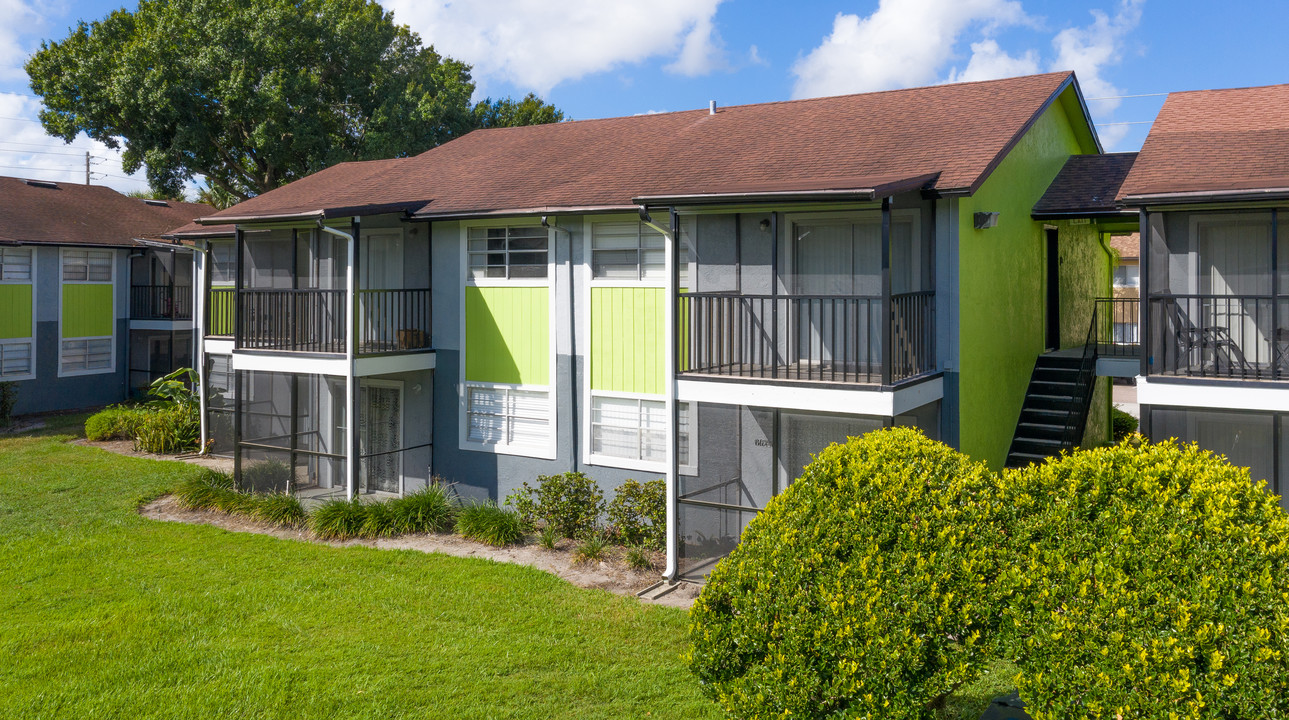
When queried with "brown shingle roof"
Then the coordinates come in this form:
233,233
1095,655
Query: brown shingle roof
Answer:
1128,246
70,214
194,231
1217,142
1086,185
958,131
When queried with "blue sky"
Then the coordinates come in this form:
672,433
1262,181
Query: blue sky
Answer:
599,59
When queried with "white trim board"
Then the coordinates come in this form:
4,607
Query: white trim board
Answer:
880,403
296,365
1218,395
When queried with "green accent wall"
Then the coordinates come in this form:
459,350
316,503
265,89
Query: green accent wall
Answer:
87,310
1002,274
223,313
507,335
628,339
15,321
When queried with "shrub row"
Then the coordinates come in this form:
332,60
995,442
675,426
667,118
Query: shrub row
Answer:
213,490
1133,581
571,506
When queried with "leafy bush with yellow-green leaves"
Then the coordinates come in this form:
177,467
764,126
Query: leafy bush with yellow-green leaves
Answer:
1151,581
1134,581
866,589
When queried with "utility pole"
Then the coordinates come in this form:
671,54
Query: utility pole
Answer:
87,167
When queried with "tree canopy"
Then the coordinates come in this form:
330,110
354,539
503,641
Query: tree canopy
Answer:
253,94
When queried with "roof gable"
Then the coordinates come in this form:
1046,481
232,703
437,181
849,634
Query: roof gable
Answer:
1218,142
955,133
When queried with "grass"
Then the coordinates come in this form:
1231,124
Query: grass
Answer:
107,614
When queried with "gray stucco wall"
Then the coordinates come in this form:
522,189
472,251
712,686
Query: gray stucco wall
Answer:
48,392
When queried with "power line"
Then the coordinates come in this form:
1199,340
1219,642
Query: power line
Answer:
42,152
33,167
6,117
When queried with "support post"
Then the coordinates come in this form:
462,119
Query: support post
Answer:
672,359
201,323
774,293
886,292
1143,282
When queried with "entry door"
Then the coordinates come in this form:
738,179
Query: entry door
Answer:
380,435
1053,338
833,260
381,267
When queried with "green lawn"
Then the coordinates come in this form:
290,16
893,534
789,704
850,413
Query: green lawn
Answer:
108,615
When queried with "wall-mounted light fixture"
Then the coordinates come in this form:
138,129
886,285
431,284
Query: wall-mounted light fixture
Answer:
765,225
983,220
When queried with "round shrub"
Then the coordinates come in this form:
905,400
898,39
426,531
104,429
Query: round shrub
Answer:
571,503
866,589
1122,424
115,422
638,513
1152,581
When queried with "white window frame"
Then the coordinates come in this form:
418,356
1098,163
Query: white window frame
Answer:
1125,267
63,351
213,264
544,450
639,248
111,368
507,281
90,254
31,265
688,230
31,354
30,340
590,457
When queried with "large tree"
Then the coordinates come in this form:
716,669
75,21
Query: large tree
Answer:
255,93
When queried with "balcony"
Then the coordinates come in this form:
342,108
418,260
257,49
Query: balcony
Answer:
161,302
313,320
811,338
1242,337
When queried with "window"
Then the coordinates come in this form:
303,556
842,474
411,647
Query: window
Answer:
15,264
87,266
1127,276
627,251
508,417
508,252
636,429
15,359
223,263
86,355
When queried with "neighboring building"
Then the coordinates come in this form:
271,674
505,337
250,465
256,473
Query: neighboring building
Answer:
1127,290
1211,185
90,309
705,296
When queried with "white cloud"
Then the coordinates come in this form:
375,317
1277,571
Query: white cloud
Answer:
20,22
27,152
537,44
754,57
989,62
902,44
1089,50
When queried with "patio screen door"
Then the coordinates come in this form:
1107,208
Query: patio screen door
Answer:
380,436
833,260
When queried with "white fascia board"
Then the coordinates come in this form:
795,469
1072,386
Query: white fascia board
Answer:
877,403
386,364
290,364
218,347
1218,395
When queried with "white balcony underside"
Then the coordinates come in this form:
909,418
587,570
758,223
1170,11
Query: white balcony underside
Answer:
862,400
1219,394
363,367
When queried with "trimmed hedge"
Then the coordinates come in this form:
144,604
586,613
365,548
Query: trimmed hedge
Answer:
116,422
572,503
638,513
866,589
1152,581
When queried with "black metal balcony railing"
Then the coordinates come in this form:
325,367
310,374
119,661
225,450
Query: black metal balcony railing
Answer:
1221,336
806,337
161,302
314,320
221,312
1116,327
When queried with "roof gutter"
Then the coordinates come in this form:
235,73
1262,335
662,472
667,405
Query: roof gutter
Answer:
1088,214
521,212
1184,198
248,219
865,194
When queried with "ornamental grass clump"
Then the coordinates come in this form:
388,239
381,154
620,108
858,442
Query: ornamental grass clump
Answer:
866,589
339,520
1151,581
279,509
490,524
433,508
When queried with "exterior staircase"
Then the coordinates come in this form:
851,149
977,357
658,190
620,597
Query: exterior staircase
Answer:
1055,410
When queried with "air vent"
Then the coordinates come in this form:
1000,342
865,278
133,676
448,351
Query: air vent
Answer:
42,184
158,203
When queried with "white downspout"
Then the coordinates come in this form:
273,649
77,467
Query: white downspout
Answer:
199,334
669,370
351,382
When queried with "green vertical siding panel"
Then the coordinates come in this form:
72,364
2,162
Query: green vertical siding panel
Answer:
15,311
1001,276
507,335
223,313
628,339
87,310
